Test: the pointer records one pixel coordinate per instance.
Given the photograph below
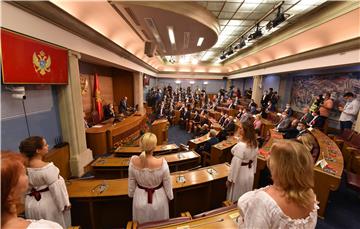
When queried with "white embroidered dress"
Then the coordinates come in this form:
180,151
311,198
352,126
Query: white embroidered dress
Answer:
242,177
42,224
52,202
150,178
261,211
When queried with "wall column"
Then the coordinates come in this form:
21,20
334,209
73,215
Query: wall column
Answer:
139,90
71,118
285,89
228,84
256,90
357,123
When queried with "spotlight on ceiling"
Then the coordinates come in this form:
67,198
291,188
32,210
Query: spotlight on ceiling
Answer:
230,51
256,34
241,43
280,18
223,56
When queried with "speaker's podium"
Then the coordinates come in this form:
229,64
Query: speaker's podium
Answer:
160,129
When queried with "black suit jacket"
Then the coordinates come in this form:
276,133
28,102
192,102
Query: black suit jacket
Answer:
122,106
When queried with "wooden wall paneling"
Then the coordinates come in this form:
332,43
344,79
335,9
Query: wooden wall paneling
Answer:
123,85
61,159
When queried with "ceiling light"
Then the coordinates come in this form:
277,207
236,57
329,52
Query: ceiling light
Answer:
171,34
241,43
205,82
230,51
200,41
178,82
192,82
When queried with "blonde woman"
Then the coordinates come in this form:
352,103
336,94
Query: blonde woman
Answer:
310,144
149,183
290,202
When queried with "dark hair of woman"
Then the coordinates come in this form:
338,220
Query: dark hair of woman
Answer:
29,146
249,134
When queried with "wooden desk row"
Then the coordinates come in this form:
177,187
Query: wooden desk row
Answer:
103,137
105,203
128,151
117,167
226,219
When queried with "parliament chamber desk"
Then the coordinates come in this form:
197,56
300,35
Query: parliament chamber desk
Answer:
105,203
326,179
221,152
117,167
225,220
229,111
160,129
102,138
196,142
128,151
215,114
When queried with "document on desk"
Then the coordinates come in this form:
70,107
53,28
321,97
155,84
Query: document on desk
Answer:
97,126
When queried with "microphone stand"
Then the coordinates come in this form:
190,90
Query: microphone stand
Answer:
26,119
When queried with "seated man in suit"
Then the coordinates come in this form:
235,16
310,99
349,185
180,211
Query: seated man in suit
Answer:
307,117
289,110
317,121
284,121
109,111
194,121
302,128
228,129
213,140
292,131
222,118
123,106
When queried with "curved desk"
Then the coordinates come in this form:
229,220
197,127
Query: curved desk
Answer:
101,138
105,203
128,151
326,179
117,167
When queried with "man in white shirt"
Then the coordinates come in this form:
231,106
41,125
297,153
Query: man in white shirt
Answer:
349,111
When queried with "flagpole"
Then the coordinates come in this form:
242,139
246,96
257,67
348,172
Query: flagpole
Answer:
26,119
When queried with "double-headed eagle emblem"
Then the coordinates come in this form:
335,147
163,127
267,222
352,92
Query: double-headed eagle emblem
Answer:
41,62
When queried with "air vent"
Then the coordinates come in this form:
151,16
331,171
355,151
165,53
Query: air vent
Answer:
186,40
153,29
132,15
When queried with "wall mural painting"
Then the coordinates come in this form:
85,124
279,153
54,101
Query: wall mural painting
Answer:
305,88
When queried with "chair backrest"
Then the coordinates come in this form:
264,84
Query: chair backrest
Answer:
347,134
215,211
163,222
355,140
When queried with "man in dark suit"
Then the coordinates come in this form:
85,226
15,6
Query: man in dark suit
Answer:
213,140
317,121
292,131
302,128
123,105
307,117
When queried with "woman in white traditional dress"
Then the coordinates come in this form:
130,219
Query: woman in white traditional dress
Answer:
149,183
243,163
290,202
14,184
47,197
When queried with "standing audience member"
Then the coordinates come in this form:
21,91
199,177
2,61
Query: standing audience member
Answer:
47,197
14,184
243,163
149,183
349,111
326,107
317,121
123,105
290,202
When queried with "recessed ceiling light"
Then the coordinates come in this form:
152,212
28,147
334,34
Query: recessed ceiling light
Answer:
205,82
200,41
192,82
171,35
